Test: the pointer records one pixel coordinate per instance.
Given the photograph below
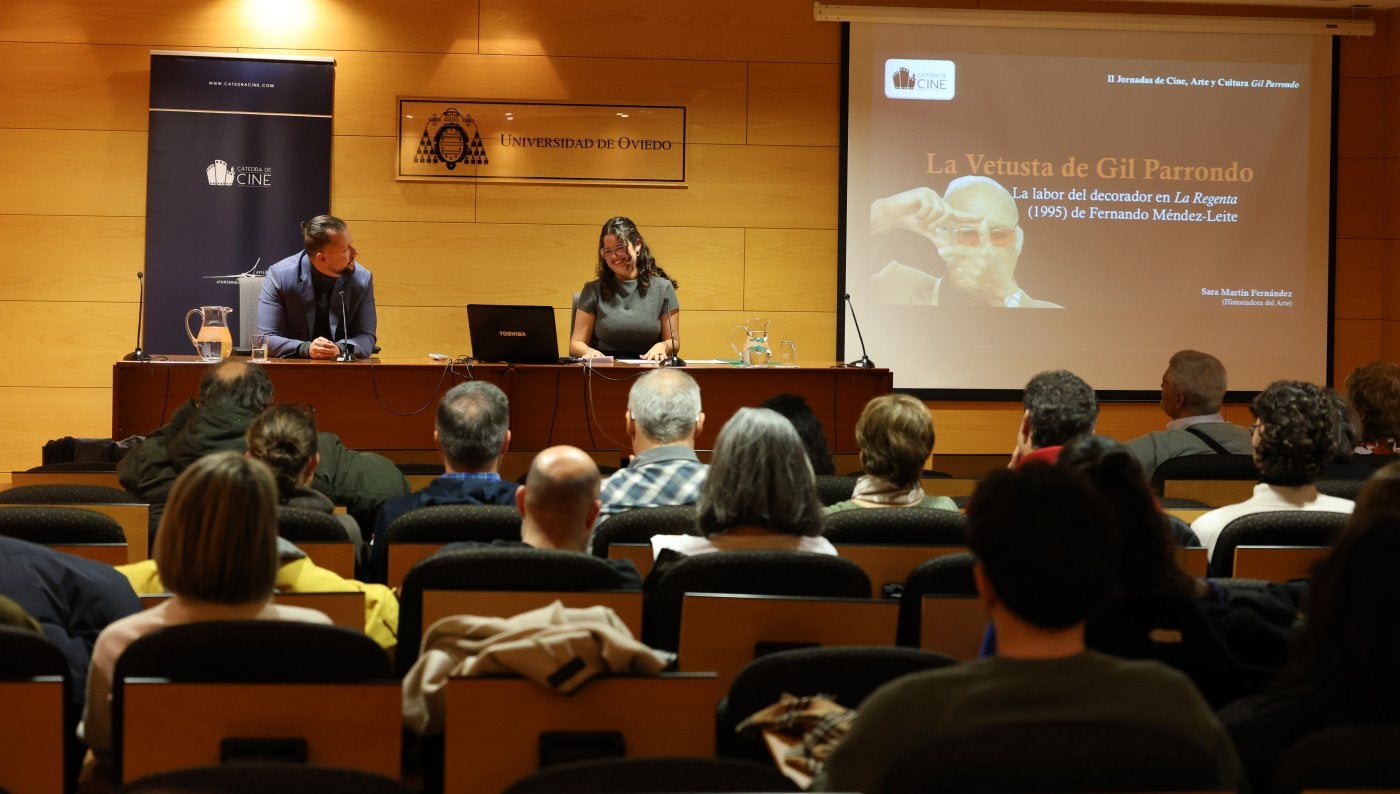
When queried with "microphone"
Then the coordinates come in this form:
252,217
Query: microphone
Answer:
344,332
672,360
864,362
139,354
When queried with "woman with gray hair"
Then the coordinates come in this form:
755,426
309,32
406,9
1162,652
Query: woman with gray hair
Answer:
760,492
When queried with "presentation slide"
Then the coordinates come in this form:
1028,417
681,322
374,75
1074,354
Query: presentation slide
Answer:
1021,200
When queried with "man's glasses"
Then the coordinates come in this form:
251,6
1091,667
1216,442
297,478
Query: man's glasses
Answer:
621,250
972,236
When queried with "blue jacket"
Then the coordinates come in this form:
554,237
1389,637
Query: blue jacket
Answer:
287,307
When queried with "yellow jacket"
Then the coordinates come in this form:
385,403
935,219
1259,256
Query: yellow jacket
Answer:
302,576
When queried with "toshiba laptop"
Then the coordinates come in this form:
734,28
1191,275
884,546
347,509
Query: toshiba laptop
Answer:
514,334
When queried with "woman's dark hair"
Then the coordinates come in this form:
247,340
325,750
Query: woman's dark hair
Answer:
809,429
1296,435
626,232
1349,651
283,437
1375,391
1148,563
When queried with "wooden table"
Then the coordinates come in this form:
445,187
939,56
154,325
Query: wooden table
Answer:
388,405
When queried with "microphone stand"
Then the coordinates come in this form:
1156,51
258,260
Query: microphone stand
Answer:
864,361
673,360
139,354
344,332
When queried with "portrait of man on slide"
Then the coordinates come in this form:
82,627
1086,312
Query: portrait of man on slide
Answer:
975,228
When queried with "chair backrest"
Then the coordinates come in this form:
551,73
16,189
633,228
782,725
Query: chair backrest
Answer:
720,632
527,726
265,778
1209,466
69,473
299,524
948,575
639,524
33,733
781,573
1273,528
1343,489
59,525
845,674
667,774
1345,758
832,488
639,554
1170,628
65,494
897,525
1277,563
451,523
1056,757
258,678
131,518
500,568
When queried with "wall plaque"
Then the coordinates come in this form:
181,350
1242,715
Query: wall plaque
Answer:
455,139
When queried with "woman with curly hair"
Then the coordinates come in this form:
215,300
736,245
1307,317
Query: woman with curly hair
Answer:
630,310
1294,436
1342,671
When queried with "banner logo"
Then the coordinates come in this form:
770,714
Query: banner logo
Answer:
910,79
221,174
445,141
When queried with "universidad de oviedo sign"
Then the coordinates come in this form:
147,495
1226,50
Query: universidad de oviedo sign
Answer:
464,139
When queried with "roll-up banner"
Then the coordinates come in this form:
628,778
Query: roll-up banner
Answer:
239,155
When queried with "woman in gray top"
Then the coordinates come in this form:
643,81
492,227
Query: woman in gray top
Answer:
630,310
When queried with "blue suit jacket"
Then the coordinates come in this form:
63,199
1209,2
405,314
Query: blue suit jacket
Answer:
287,307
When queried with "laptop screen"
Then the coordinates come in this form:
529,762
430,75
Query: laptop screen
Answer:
514,334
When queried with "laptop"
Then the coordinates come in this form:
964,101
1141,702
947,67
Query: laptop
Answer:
514,334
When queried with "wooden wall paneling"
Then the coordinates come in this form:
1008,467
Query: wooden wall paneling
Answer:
74,344
74,86
1360,208
403,25
1390,347
1390,112
1360,287
1360,129
1366,56
741,186
790,270
415,331
971,428
72,172
735,30
795,104
1356,342
31,415
1390,280
455,264
363,187
67,258
368,84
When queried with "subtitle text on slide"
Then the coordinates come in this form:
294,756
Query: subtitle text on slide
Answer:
1175,81
1134,206
1235,296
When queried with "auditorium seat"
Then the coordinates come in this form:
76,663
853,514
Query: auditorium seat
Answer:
265,778
639,524
84,533
947,577
321,535
846,674
832,488
666,774
1273,528
438,604
34,731
499,730
421,532
1349,758
132,515
889,543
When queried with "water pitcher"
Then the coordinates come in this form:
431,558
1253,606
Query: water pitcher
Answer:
213,342
750,342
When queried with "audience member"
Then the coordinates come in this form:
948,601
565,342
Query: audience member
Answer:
1193,388
473,433
217,553
1346,439
1046,559
284,437
663,418
558,504
231,395
1059,406
1147,536
1293,437
1374,389
1343,670
895,435
809,429
72,599
760,493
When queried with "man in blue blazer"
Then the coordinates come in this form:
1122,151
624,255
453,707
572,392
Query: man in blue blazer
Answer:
318,300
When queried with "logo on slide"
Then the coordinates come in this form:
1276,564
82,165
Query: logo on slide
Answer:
907,79
221,174
445,140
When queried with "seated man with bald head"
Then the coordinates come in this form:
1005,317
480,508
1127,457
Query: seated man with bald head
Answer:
975,228
558,504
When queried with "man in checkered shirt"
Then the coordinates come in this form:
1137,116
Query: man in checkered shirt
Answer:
663,419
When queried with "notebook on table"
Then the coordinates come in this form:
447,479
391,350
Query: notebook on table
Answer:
513,334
